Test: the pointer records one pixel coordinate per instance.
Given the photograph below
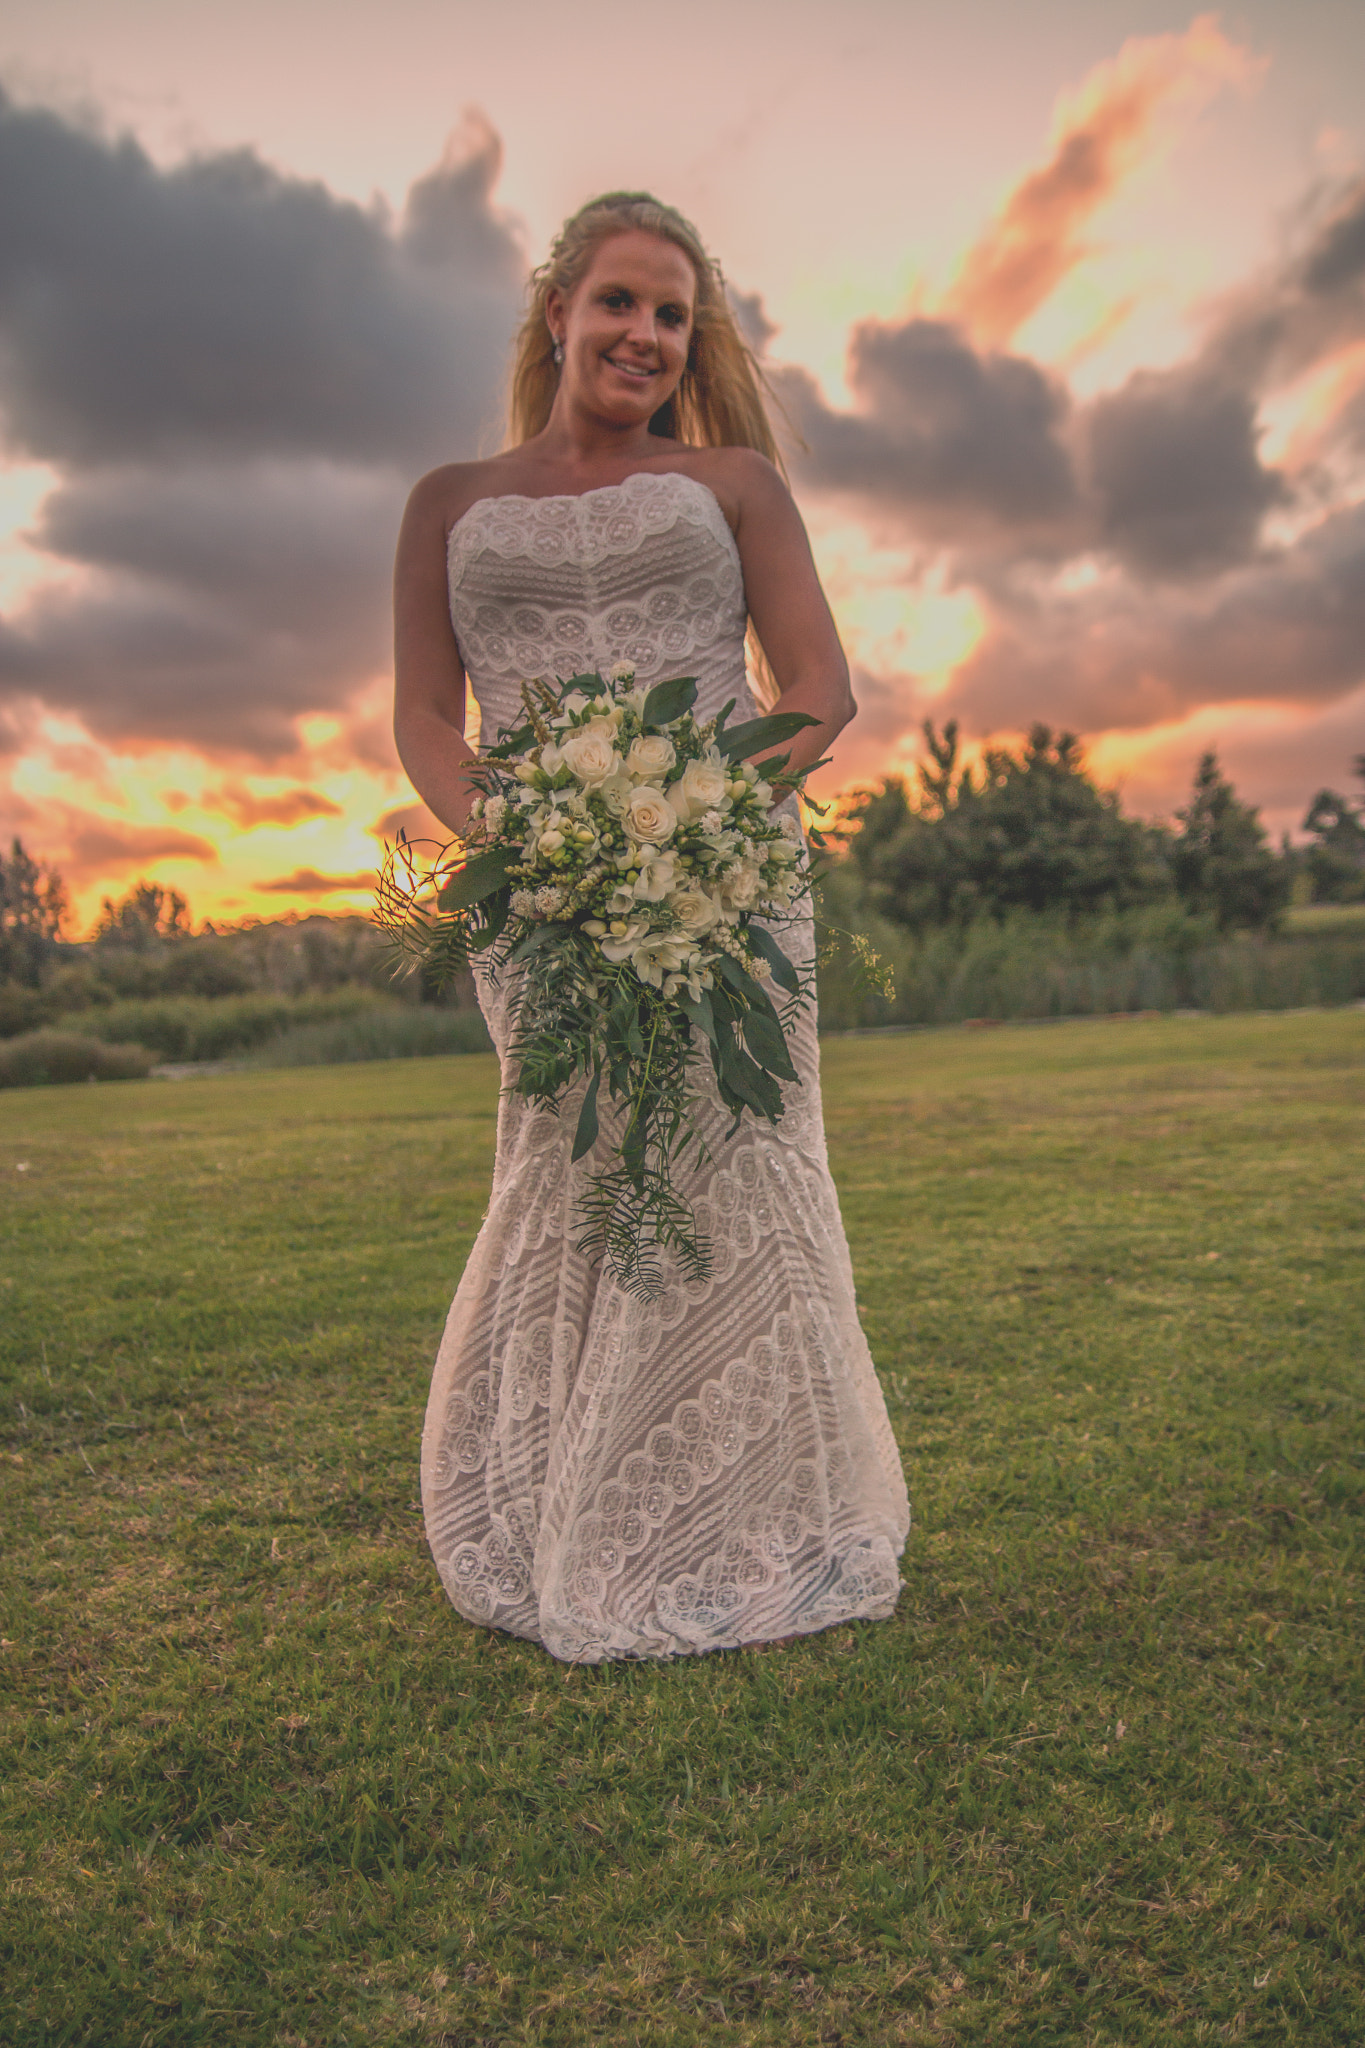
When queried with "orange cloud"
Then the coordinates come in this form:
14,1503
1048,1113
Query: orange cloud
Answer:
287,807
102,847
1100,135
308,882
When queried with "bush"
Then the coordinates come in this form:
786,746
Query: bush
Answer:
375,1034
40,1058
202,1028
1159,958
23,1009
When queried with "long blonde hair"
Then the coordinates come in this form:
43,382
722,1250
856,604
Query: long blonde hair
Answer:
719,402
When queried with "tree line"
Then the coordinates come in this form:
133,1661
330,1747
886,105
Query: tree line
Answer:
1031,830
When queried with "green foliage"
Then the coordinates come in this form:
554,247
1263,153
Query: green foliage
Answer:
1162,957
1098,1781
1029,831
1222,862
38,1059
393,1031
146,915
1336,859
33,908
205,1028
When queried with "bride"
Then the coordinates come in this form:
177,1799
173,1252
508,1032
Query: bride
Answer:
606,1476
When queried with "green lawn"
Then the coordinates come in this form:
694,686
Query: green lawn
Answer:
1098,1782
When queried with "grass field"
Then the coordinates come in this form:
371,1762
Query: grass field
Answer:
1100,1780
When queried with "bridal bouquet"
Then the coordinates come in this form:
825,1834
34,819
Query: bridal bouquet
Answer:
619,858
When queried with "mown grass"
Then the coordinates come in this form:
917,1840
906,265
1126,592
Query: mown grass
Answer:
1098,1782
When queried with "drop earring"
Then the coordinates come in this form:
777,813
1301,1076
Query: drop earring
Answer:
558,355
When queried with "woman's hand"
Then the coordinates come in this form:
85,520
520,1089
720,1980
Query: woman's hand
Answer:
429,677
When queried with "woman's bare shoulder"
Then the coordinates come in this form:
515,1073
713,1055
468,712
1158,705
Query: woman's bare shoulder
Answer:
446,493
739,478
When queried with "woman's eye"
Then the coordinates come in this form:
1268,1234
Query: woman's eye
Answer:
672,316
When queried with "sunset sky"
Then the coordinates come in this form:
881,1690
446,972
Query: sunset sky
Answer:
1067,302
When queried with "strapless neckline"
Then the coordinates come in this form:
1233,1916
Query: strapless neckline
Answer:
595,491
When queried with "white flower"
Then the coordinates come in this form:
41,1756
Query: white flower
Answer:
548,901
575,702
623,672
788,826
695,911
657,875
621,900
625,935
604,722
650,757
523,903
551,758
551,841
493,809
700,788
476,808
649,814
760,968
739,888
712,821
591,756
526,771
783,850
658,955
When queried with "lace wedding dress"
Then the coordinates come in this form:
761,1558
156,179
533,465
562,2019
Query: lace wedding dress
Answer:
606,1476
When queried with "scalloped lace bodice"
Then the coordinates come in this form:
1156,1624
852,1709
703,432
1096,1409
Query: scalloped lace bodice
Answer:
610,1477
646,572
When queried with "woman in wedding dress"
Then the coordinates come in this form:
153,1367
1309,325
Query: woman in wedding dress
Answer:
607,1476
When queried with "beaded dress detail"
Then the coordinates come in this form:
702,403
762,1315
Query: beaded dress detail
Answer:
607,1476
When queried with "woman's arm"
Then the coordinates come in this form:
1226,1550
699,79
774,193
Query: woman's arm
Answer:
789,612
429,677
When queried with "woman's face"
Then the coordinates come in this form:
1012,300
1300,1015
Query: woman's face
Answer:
625,328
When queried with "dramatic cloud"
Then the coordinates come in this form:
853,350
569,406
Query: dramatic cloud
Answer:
237,375
955,443
220,308
1099,137
1173,460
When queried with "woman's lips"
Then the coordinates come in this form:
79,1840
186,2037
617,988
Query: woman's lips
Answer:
641,372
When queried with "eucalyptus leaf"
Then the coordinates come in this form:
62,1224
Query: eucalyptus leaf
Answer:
478,878
667,701
768,1044
784,974
757,733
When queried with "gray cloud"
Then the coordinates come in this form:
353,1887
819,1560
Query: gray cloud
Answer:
1174,465
236,373
221,306
222,602
955,442
1289,628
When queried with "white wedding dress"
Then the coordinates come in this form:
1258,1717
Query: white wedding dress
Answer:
606,1476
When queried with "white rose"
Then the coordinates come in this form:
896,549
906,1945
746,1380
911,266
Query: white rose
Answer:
650,757
604,722
695,911
700,788
657,874
739,888
649,815
591,756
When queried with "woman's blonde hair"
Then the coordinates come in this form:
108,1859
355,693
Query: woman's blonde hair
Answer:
720,400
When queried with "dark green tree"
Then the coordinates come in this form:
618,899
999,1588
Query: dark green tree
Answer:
1029,831
33,909
1222,862
1336,859
146,917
